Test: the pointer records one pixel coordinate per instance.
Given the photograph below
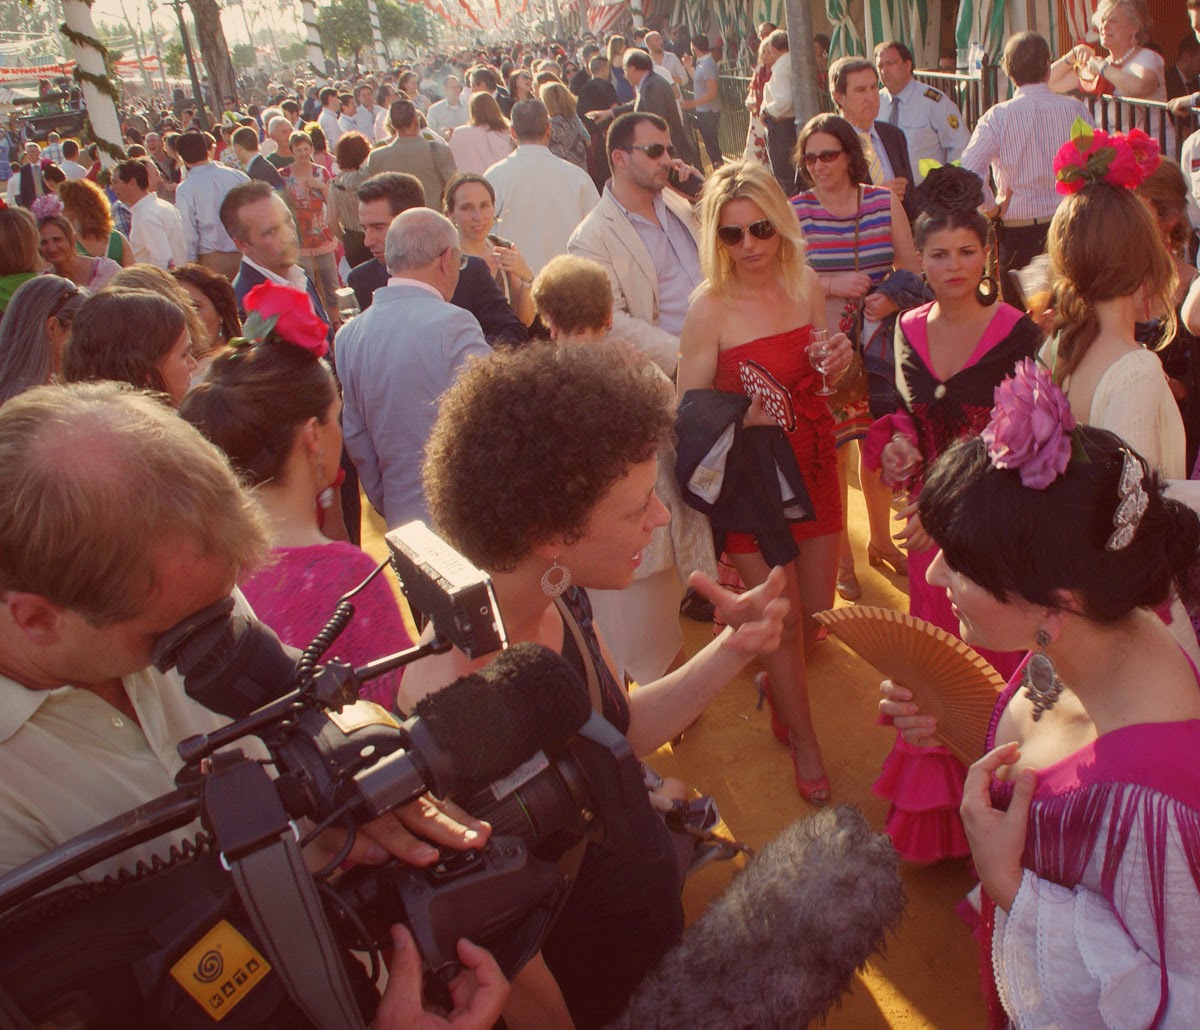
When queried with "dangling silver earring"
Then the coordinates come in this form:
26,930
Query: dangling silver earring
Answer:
1040,679
556,580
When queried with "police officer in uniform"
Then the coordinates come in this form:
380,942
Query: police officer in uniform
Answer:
930,120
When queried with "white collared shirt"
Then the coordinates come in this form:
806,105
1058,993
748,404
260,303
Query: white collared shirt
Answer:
296,277
400,280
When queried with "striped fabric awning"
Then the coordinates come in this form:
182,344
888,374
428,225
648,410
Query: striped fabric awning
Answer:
605,17
982,21
844,39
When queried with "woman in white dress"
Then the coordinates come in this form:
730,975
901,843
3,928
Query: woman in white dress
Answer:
1105,253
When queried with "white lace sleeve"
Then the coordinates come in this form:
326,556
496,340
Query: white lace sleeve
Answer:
1065,958
1134,401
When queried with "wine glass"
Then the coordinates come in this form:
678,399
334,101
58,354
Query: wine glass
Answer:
900,470
818,351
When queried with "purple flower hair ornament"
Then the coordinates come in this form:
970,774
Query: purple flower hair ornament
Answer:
1031,426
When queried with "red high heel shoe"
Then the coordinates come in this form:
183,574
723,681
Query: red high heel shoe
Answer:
818,792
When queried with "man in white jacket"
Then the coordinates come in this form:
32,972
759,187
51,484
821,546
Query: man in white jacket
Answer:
645,236
540,198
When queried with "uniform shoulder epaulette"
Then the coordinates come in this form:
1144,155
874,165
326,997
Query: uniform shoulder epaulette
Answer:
934,94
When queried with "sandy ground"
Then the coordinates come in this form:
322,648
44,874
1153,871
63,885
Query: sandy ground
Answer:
928,976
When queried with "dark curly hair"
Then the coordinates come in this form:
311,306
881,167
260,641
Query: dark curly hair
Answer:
527,442
843,132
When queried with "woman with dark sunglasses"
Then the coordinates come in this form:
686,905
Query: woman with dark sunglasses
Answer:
855,235
756,310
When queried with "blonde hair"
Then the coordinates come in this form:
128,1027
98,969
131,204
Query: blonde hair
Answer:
559,101
95,474
1086,268
748,180
19,242
154,279
1136,9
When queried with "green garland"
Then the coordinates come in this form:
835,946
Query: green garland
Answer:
102,82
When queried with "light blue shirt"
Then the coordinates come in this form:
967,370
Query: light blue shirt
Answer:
673,251
198,199
706,72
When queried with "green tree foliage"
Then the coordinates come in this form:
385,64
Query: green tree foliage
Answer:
345,25
244,57
173,58
291,53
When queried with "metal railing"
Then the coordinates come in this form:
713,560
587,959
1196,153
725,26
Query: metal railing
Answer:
1120,114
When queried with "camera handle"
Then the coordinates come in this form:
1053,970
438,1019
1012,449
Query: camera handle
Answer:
259,846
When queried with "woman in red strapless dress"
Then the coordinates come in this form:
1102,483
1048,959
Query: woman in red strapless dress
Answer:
759,302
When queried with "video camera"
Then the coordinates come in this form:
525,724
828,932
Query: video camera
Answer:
231,926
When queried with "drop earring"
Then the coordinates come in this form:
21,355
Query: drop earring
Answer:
324,497
1040,679
556,580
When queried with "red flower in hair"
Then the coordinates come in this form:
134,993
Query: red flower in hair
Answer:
1145,150
289,313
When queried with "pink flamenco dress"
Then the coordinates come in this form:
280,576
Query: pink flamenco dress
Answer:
924,785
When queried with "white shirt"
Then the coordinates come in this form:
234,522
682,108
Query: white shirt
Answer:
363,120
156,234
296,277
382,125
674,67
540,199
1017,140
777,93
331,126
932,125
444,116
73,170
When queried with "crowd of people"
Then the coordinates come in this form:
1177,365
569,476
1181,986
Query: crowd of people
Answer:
521,295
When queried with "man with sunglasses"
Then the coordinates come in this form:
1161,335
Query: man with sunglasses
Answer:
645,236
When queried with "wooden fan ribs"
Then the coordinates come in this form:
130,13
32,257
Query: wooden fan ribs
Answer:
948,678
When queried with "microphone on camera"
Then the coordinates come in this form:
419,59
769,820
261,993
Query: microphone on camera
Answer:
781,945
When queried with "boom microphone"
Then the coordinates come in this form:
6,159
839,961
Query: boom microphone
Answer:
780,946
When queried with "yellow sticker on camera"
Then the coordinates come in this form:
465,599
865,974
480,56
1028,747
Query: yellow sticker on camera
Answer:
220,970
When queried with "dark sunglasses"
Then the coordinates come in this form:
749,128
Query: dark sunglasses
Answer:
67,294
826,157
732,235
653,150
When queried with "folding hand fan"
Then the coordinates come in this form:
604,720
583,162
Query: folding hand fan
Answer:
948,679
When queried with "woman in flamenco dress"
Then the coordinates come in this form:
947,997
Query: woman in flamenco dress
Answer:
951,354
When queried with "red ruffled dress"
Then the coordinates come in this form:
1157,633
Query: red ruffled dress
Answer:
784,356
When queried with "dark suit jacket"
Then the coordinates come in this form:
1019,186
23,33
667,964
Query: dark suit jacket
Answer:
596,95
27,193
656,96
476,292
248,278
896,147
262,169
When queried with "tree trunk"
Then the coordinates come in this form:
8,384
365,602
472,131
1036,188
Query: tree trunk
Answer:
214,51
101,107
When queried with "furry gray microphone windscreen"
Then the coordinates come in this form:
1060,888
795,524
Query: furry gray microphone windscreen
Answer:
781,945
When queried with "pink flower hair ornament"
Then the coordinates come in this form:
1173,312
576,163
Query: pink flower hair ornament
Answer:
1031,426
46,206
1092,155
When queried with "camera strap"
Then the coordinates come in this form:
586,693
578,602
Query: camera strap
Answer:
259,846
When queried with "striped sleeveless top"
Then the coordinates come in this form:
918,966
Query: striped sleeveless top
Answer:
829,238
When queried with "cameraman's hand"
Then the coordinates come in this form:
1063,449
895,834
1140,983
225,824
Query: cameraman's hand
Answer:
478,992
403,833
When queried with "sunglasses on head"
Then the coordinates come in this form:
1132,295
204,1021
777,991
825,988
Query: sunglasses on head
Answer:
732,235
653,150
826,157
67,294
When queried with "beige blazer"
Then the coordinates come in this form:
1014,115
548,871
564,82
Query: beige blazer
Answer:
606,236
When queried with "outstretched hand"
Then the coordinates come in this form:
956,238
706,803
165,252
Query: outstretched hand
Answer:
756,616
478,992
997,838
